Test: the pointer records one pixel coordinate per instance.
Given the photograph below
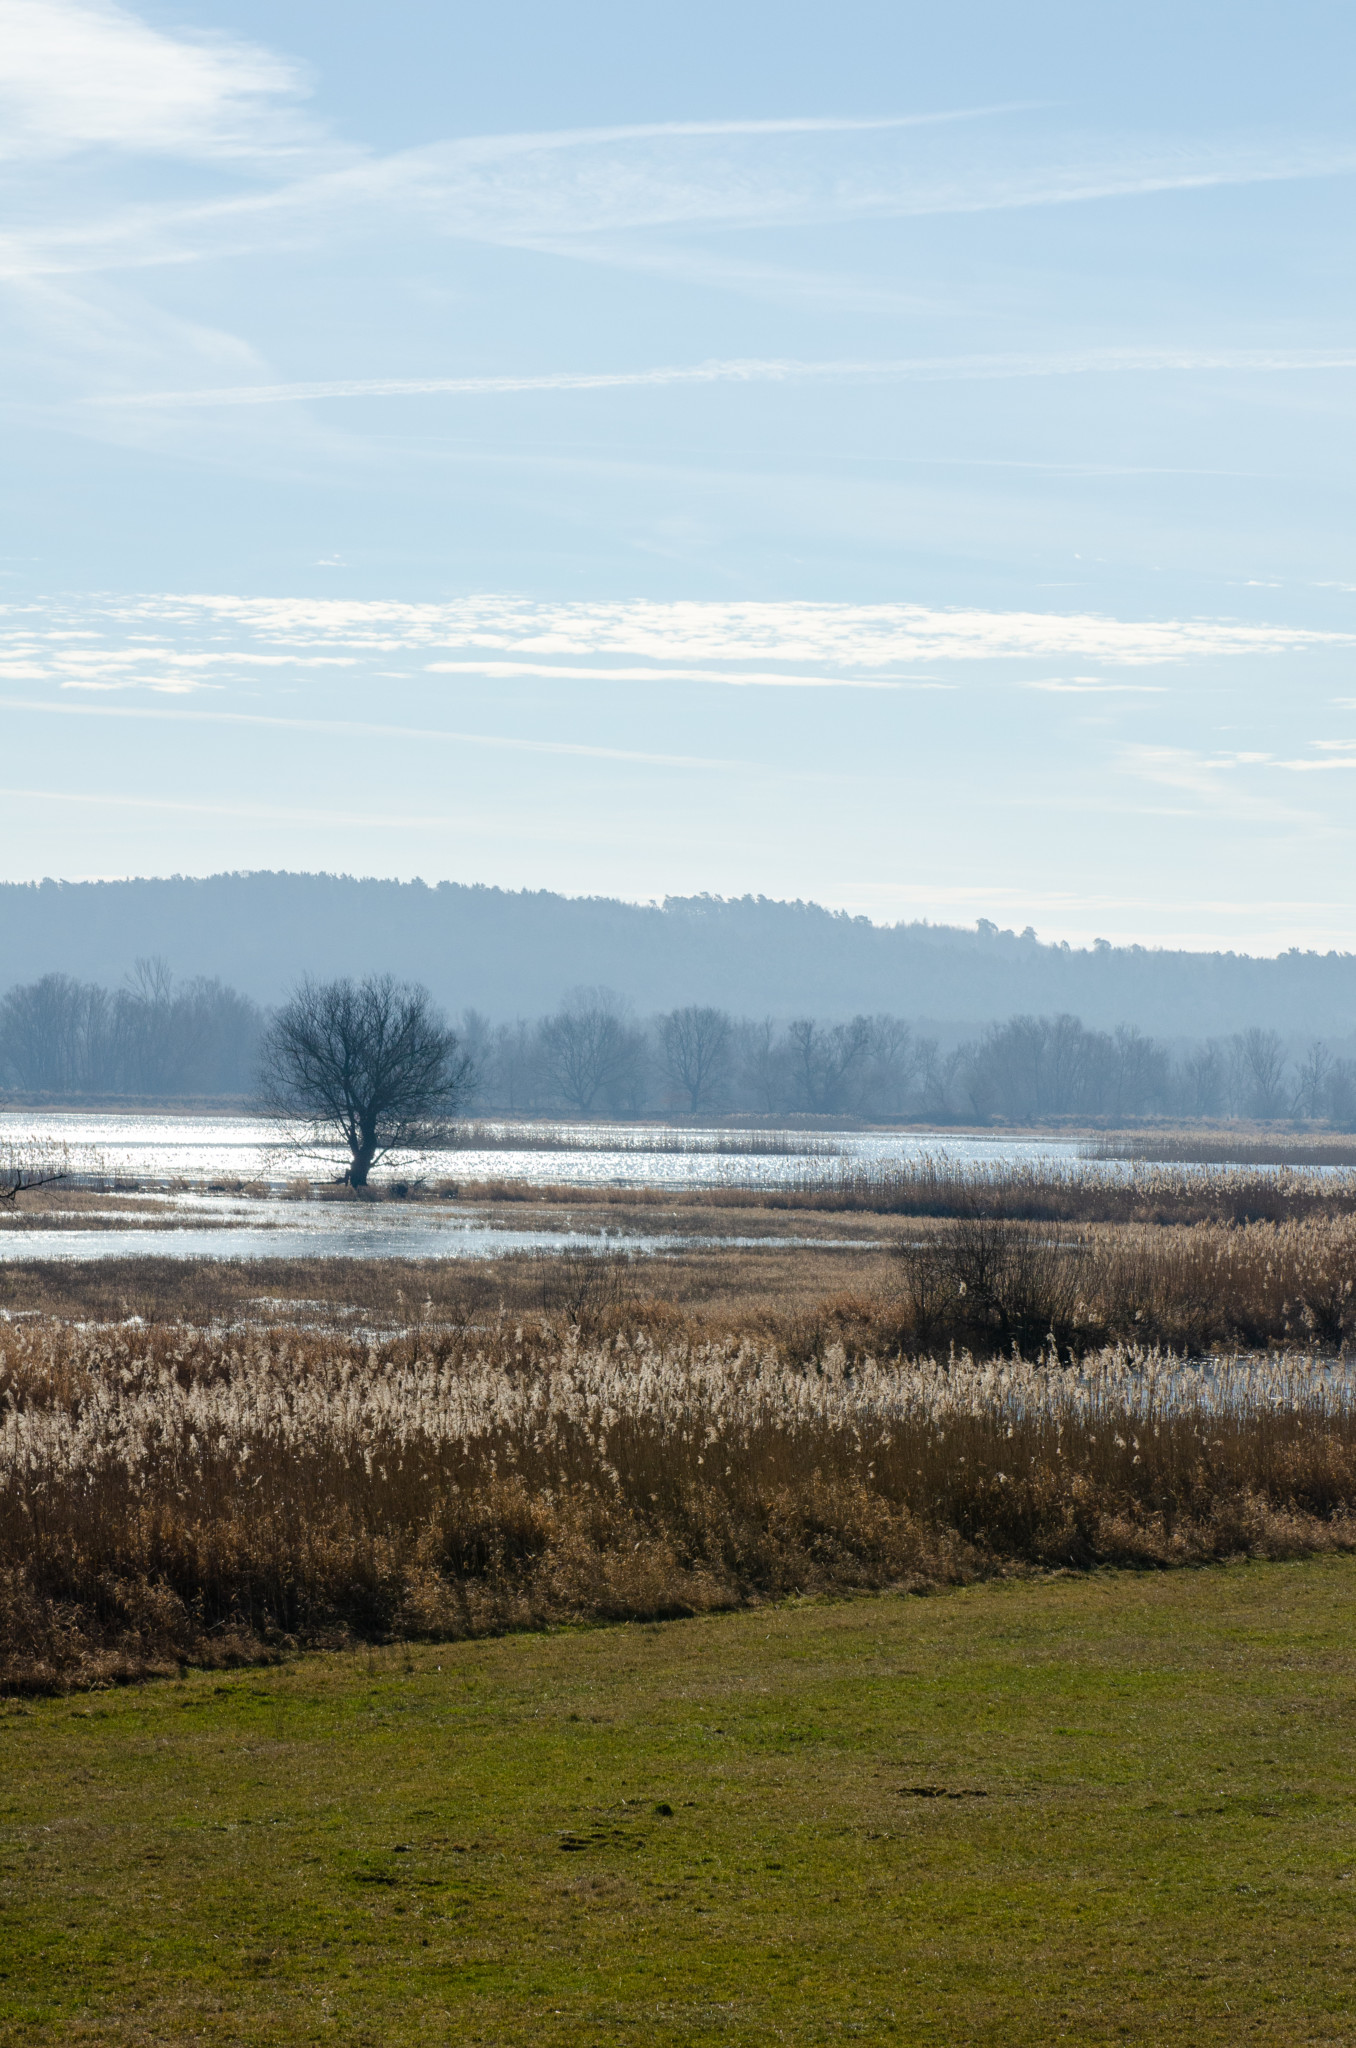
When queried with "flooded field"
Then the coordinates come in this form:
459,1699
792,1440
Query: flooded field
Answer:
202,1187
250,1149
196,1226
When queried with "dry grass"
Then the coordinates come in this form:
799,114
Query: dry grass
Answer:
993,1283
174,1493
1213,1147
300,1452
656,1138
1085,1192
937,1185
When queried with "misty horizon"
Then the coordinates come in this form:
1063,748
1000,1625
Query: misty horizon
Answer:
514,954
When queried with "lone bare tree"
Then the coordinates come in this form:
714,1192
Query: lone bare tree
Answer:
1261,1064
371,1063
696,1043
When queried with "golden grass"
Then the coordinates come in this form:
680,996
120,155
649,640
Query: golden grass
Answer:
1085,1191
172,1493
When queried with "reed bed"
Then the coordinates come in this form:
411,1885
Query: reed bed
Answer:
992,1283
1218,1148
728,1143
1081,1191
175,1493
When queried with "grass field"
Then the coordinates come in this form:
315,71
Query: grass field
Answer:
1102,1808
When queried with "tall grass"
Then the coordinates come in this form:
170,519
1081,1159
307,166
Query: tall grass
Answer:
542,1137
1221,1148
991,1283
1077,1192
176,1493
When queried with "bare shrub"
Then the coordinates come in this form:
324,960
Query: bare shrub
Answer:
1001,1284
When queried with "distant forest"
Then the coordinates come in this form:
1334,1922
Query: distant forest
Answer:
153,1038
512,953
149,1038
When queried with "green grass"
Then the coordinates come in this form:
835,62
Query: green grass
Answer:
473,1843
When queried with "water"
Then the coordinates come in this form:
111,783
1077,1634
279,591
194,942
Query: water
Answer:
216,1227
190,1148
162,1157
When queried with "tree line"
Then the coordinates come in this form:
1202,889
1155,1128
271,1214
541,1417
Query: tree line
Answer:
151,1037
593,1057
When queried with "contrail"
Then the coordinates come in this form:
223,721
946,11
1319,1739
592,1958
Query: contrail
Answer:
760,370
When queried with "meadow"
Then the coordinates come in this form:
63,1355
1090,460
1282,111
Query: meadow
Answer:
1091,1807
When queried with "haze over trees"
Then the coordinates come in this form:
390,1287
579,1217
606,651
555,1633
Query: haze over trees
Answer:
590,1055
512,953
151,1036
591,1058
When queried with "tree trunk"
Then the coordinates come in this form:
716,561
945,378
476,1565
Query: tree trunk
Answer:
361,1163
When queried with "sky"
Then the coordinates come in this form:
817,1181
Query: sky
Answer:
891,455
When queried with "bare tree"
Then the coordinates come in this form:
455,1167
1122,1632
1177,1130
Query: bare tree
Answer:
762,1062
1260,1057
1315,1073
893,1064
1204,1080
52,1035
371,1063
825,1059
589,1048
695,1045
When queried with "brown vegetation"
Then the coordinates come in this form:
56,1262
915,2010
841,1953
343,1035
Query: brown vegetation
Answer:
1083,1192
992,1283
210,1460
938,1185
1214,1147
171,1493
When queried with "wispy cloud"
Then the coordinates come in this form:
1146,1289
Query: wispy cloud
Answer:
568,191
287,814
78,76
732,637
354,728
1220,784
1092,686
752,678
1327,755
763,370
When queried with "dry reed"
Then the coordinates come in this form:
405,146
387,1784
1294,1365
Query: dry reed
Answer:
990,1282
1079,1192
174,1493
732,1143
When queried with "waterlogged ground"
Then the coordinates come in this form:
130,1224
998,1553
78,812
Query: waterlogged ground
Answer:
190,1225
172,1170
247,1148
202,1187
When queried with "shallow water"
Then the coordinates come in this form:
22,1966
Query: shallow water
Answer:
165,1148
162,1156
357,1234
204,1226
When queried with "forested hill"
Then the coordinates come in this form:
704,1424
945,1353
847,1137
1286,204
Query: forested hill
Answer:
514,953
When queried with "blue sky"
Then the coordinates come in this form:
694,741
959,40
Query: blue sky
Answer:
897,456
